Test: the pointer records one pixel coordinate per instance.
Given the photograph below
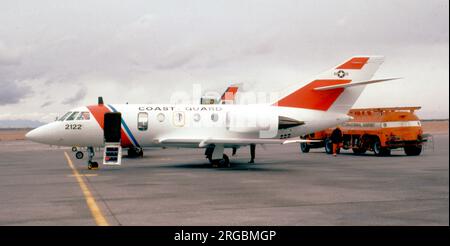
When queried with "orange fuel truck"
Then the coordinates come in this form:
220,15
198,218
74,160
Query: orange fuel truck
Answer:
375,129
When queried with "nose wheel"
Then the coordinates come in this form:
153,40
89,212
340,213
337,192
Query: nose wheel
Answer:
91,154
79,155
92,165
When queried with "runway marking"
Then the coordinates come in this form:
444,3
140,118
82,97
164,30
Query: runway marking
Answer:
100,220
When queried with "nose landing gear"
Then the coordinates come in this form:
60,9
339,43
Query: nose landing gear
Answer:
79,155
91,154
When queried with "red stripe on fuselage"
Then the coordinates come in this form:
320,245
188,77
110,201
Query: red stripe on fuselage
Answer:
98,111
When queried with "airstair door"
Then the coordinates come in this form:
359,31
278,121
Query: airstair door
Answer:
112,125
112,154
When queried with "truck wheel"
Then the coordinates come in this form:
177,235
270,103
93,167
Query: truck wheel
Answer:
328,146
385,152
380,151
304,147
413,150
359,151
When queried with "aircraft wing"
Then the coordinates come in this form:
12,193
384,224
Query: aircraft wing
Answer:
231,141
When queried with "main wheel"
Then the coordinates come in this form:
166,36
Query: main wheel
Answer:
79,155
74,149
304,147
328,146
224,162
413,150
135,152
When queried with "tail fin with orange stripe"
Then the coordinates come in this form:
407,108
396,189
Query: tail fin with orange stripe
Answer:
335,90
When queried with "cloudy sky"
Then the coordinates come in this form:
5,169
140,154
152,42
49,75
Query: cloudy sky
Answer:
56,55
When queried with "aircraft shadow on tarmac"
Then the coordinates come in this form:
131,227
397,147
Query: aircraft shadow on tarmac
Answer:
154,160
234,166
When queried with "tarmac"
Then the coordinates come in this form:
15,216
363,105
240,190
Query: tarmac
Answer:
42,185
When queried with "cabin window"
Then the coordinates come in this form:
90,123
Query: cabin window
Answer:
142,121
178,119
84,116
215,117
73,115
196,117
64,116
161,117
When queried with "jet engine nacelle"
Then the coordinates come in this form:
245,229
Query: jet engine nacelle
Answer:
252,120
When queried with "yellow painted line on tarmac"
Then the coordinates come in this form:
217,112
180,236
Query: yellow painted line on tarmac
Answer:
100,220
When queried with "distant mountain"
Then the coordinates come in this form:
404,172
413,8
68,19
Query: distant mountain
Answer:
20,123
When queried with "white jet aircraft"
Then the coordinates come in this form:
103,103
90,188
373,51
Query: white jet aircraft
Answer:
228,97
307,108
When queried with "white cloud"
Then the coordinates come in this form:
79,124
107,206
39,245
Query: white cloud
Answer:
142,51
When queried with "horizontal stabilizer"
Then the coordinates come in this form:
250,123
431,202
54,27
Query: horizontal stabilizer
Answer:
330,87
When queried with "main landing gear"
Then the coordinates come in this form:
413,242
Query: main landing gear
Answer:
135,152
91,164
224,162
217,158
213,154
252,153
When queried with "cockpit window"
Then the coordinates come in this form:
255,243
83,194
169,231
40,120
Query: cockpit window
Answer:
84,116
64,116
72,116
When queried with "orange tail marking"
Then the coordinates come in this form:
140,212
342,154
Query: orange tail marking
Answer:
354,63
229,93
308,98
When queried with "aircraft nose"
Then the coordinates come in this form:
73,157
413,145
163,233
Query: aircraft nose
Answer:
34,135
42,134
